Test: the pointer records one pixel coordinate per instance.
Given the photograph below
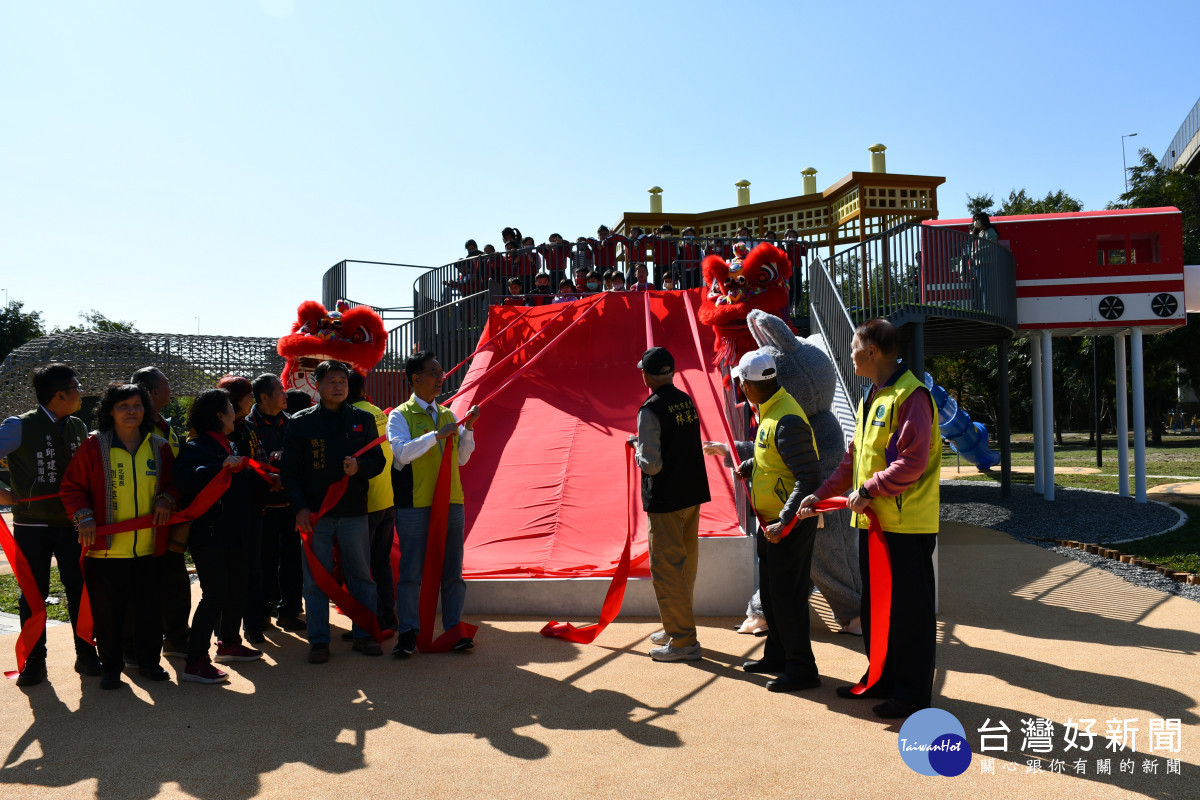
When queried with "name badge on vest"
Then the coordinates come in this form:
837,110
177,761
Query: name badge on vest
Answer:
880,413
762,438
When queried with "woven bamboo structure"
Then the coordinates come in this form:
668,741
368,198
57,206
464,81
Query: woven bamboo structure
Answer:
191,363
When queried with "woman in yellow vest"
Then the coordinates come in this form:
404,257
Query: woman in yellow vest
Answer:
893,466
122,472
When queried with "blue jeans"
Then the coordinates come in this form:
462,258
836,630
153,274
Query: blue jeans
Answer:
412,528
355,544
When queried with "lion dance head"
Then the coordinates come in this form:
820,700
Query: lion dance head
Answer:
353,335
752,279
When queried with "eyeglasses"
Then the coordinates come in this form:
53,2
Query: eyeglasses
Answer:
437,372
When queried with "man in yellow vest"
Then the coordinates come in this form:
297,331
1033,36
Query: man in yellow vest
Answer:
893,466
381,518
782,465
418,431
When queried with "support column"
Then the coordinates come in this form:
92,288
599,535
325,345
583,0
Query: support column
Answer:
1004,430
1048,414
1139,417
1035,361
1122,417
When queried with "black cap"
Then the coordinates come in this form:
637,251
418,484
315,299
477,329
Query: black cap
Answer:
657,361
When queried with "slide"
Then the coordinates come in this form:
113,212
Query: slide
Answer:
546,491
969,439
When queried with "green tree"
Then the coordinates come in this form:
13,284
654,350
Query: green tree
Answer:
18,327
980,202
1019,202
95,322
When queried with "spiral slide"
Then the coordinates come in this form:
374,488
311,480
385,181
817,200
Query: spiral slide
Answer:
968,438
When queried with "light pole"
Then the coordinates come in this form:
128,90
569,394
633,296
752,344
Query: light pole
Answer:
1126,169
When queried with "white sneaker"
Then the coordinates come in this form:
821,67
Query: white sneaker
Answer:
660,638
669,653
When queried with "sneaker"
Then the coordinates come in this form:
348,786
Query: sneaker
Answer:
406,645
368,646
203,672
174,650
291,623
155,673
318,653
660,638
669,653
87,664
237,652
464,644
33,674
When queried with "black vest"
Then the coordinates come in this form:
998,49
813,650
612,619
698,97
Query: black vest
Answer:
38,464
683,481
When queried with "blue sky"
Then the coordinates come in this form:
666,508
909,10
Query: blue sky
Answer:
166,161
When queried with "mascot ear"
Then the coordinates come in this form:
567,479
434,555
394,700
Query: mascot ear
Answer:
768,329
769,263
308,315
715,269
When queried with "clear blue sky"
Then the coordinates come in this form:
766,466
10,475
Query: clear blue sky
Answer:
163,161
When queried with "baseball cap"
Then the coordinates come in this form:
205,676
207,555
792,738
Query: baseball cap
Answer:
757,365
657,361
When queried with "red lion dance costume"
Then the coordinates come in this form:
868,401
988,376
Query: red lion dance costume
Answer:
755,278
354,335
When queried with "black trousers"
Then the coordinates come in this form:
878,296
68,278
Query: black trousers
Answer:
381,525
39,544
912,630
784,586
117,586
282,575
222,573
252,612
176,597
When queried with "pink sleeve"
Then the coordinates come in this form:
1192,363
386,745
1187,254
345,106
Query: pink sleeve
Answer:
839,481
913,434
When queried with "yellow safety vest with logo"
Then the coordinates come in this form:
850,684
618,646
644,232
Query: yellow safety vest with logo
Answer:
916,510
379,488
134,481
425,469
773,482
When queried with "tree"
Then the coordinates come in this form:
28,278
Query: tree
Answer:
95,322
979,202
18,327
1019,202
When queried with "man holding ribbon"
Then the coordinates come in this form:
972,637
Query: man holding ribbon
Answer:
419,431
674,485
39,444
782,466
319,448
893,467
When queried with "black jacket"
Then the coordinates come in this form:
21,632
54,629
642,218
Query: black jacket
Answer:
228,523
314,445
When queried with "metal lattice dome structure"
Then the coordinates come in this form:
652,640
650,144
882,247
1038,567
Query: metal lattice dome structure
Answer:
191,363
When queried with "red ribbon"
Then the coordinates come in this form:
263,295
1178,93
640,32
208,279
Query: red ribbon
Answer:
435,557
615,596
881,592
32,630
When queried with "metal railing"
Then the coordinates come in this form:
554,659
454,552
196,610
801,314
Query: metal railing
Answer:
678,256
926,270
450,331
830,318
1189,128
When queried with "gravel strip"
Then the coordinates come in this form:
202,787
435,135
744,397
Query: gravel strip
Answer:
1082,515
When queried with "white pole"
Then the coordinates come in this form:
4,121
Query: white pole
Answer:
1035,360
1122,418
1048,414
1139,418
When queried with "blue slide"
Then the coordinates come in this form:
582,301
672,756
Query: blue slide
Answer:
969,439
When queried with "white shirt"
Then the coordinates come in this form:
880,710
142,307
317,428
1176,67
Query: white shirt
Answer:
407,449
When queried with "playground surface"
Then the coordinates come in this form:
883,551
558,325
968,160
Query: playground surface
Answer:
1023,634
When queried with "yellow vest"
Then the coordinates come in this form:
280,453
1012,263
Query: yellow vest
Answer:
134,481
773,482
916,510
425,469
379,488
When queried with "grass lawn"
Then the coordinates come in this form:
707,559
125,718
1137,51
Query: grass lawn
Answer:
9,592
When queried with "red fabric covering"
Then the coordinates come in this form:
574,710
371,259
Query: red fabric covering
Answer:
544,490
